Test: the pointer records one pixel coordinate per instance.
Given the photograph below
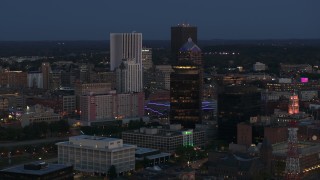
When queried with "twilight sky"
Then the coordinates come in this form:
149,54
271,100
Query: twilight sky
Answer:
216,19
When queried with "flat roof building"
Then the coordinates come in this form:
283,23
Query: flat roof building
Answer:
93,154
38,170
167,140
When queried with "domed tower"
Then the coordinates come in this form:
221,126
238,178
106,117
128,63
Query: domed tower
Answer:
190,52
186,87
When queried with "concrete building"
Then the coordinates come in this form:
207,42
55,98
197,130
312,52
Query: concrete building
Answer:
129,77
154,156
35,80
13,101
93,154
87,88
147,58
110,107
125,46
13,79
68,104
308,95
286,68
166,70
104,77
45,69
167,140
258,66
274,95
37,114
54,80
248,134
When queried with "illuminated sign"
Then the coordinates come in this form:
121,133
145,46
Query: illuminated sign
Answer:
304,80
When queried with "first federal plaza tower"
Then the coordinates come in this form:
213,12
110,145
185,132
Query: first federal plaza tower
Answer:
186,86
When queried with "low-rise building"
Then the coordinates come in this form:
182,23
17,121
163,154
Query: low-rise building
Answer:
164,139
37,114
258,66
94,154
154,156
38,170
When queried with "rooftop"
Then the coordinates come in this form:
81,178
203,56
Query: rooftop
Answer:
190,46
48,169
141,150
96,142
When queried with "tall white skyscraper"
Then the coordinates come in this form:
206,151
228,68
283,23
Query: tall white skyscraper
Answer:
129,77
125,46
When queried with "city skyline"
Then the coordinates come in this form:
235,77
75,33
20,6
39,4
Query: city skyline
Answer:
83,20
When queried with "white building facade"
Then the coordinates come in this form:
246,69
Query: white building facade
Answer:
125,46
93,154
129,77
35,80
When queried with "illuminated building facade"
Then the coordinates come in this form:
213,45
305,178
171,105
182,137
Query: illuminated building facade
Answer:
293,107
185,87
110,107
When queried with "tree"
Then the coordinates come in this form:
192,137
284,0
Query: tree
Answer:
112,172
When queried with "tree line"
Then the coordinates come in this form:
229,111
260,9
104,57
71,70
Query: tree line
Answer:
34,131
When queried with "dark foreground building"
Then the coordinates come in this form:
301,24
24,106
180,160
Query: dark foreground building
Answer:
186,87
236,104
38,171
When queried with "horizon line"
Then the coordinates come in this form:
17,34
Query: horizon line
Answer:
216,39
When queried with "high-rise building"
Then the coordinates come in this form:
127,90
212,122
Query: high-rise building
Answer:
14,79
293,107
185,87
146,58
129,77
45,69
180,35
125,46
35,80
236,104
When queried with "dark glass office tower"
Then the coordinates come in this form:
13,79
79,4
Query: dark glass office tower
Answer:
236,104
185,87
180,35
